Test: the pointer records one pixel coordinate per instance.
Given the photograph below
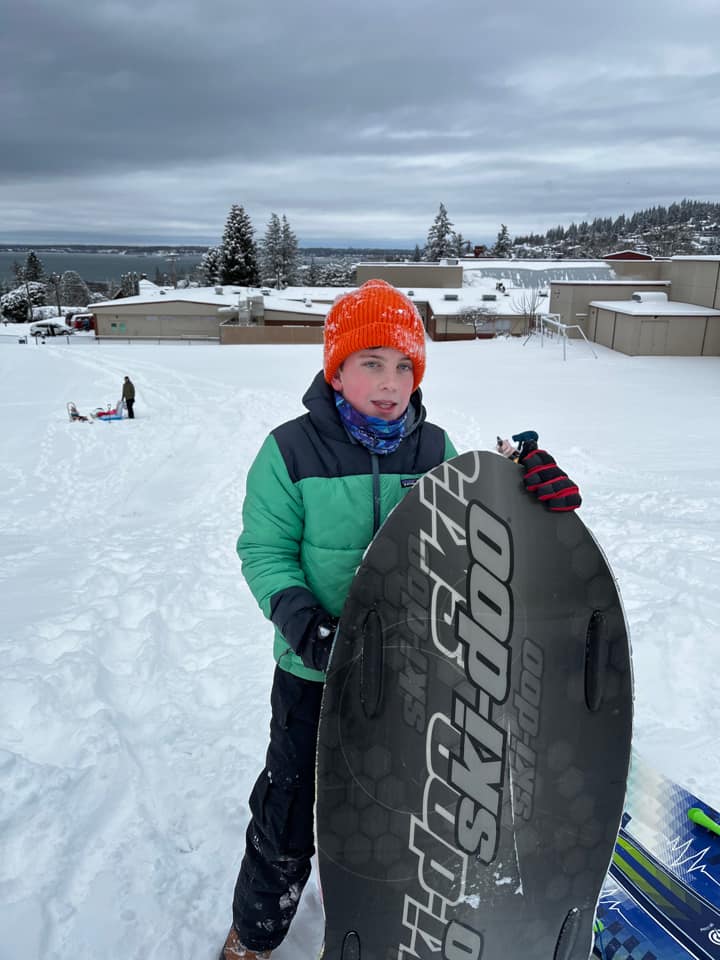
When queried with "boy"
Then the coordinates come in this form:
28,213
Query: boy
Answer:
317,493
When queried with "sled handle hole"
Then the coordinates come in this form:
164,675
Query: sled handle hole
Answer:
371,664
596,661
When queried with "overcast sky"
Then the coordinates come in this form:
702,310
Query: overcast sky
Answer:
137,120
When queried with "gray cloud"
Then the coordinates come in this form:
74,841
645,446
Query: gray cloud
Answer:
145,120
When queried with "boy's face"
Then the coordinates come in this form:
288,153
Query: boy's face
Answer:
377,382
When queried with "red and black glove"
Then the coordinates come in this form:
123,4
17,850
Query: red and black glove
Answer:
543,477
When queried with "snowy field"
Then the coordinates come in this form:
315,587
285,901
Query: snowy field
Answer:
136,666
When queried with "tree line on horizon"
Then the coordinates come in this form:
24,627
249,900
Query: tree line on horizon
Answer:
685,227
66,291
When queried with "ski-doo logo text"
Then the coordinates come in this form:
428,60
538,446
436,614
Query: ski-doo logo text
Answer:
484,629
466,751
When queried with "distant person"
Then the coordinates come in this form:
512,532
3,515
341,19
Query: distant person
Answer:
128,395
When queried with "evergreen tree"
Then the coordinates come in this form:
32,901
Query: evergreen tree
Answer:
313,275
279,257
271,260
18,303
417,254
460,245
290,253
238,253
503,244
33,267
440,237
30,293
73,290
337,275
129,284
210,267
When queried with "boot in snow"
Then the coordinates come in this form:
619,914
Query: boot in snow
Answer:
234,950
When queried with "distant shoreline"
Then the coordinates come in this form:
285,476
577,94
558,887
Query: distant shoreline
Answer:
183,250
101,265
120,249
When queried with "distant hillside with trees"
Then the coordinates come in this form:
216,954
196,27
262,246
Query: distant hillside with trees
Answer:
688,227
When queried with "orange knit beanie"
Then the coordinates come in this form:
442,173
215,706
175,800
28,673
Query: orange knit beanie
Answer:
374,315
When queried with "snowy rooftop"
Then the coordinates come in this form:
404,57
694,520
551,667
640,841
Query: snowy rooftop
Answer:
312,308
480,279
712,259
614,283
293,298
316,294
481,263
228,295
150,293
655,308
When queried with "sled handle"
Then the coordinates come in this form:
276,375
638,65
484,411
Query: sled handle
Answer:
568,935
596,660
699,817
371,664
351,946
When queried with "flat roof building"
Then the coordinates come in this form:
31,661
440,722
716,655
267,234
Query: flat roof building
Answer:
651,325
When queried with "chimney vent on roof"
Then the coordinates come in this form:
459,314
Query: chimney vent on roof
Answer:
219,290
649,296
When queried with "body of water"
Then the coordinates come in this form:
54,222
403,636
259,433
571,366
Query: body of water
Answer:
101,266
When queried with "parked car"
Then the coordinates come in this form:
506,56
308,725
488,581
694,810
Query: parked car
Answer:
50,328
82,321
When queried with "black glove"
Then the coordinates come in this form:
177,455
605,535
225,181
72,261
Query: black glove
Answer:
314,650
543,477
307,627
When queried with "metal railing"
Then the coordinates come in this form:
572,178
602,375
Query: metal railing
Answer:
552,320
182,338
39,340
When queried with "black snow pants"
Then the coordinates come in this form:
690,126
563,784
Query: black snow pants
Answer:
280,836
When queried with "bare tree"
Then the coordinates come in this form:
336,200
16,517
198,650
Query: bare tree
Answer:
480,317
53,284
529,304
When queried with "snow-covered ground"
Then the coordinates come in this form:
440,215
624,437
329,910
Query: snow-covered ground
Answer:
136,665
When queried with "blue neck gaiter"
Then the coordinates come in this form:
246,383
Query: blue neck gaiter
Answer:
379,436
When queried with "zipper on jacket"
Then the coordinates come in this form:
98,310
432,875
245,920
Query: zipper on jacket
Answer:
376,491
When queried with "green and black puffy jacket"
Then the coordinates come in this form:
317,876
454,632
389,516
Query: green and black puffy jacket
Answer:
314,500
